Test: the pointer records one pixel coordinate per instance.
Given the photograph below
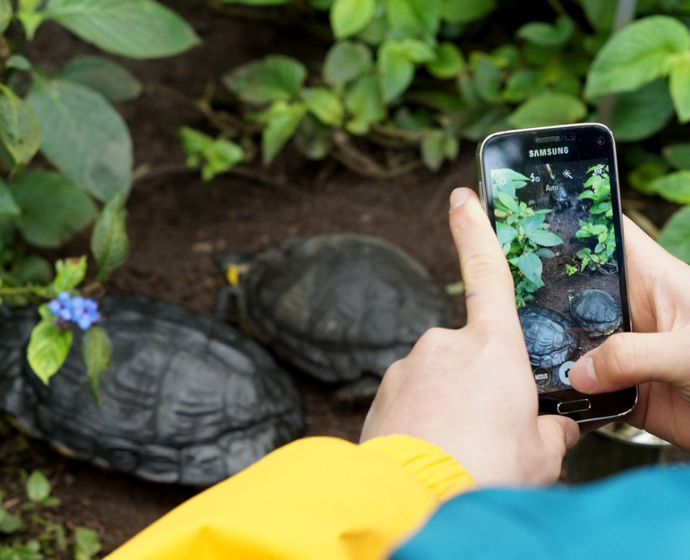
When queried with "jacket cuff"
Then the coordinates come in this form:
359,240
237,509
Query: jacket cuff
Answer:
432,466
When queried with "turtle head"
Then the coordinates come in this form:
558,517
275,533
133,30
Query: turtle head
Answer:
234,265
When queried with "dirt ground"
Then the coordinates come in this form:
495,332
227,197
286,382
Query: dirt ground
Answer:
178,224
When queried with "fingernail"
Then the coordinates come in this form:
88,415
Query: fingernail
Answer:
457,197
589,383
572,435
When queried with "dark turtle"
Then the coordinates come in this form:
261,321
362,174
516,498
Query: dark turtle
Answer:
187,399
560,197
549,337
341,307
595,311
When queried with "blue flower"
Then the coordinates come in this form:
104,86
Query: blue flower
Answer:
62,306
84,312
77,309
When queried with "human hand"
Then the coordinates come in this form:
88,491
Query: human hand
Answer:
471,391
656,356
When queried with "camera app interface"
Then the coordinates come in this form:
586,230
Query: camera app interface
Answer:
554,222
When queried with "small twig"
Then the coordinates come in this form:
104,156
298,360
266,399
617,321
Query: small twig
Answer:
354,159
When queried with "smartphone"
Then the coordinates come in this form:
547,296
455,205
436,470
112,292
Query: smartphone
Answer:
553,198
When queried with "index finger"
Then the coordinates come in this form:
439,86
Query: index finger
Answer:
489,291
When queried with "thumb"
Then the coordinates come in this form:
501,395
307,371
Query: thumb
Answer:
558,434
628,359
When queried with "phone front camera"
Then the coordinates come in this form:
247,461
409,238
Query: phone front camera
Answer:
569,136
601,140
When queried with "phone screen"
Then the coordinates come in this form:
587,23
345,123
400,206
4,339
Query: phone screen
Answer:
553,197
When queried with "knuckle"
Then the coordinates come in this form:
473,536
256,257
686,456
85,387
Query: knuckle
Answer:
480,267
617,356
433,339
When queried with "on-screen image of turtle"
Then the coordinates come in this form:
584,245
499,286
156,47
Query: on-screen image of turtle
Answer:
186,399
595,311
550,338
341,307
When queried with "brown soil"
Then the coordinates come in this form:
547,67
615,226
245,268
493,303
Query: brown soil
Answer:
178,224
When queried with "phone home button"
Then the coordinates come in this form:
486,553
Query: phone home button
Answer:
569,407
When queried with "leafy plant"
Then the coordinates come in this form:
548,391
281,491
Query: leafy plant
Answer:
404,82
67,117
522,233
28,533
599,227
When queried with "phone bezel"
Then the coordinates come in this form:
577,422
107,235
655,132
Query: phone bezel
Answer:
506,149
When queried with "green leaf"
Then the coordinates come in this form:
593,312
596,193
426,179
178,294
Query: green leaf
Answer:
396,70
82,135
674,187
5,14
37,487
679,85
636,55
417,51
19,130
216,155
530,265
32,270
8,207
675,235
678,155
547,35
364,102
132,28
47,350
274,78
104,76
109,241
548,109
600,13
30,16
414,18
86,543
642,113
10,524
53,207
505,233
96,351
486,77
325,104
69,274
257,2
345,61
282,123
532,223
544,238
433,147
349,17
466,11
448,62
19,62
509,202
313,139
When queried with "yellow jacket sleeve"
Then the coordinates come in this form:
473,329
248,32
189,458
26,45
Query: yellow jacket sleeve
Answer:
314,498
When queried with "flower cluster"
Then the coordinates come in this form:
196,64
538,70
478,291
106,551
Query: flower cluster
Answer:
77,309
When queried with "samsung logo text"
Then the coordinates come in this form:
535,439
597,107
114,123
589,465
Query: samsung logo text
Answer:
548,152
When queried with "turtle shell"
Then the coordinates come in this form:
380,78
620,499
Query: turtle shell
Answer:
186,399
595,311
339,306
550,338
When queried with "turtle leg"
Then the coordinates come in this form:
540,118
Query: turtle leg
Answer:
359,392
227,303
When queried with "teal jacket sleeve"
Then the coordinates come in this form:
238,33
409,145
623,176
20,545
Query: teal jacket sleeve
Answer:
640,514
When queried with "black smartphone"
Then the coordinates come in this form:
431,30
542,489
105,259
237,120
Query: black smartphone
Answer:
552,195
